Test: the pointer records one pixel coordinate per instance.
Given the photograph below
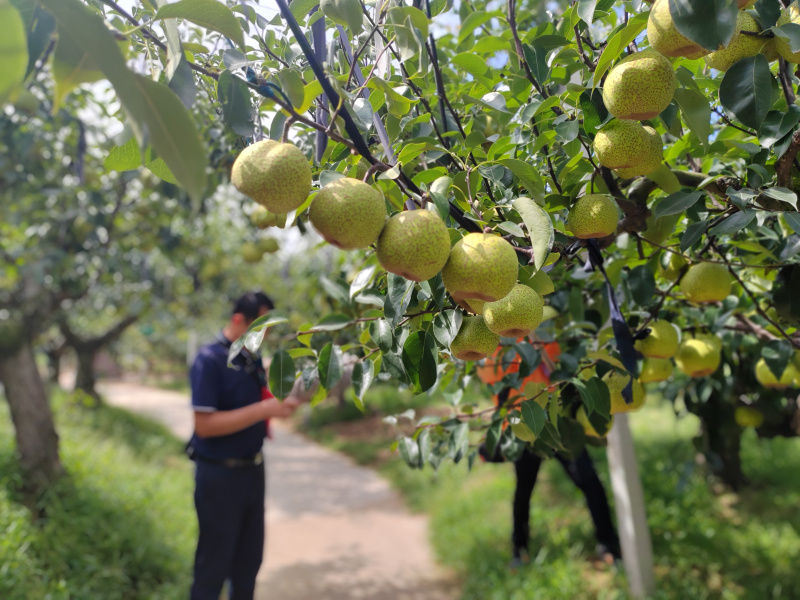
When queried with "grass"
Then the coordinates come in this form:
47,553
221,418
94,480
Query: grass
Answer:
708,543
121,525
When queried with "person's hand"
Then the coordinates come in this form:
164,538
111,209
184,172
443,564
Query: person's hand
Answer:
277,409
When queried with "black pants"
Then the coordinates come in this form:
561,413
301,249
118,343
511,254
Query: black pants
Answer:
581,471
230,514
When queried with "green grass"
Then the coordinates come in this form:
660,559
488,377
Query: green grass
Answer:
708,543
121,525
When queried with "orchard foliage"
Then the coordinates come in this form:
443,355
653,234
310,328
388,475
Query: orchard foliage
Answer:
485,114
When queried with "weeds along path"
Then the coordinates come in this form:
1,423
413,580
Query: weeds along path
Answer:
334,530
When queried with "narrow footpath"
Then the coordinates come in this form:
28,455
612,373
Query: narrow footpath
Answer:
335,530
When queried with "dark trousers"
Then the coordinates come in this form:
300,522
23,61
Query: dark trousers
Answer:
230,514
581,471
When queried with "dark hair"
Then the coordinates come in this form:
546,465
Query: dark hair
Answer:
250,304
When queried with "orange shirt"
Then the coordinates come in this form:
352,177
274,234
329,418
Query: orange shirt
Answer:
492,370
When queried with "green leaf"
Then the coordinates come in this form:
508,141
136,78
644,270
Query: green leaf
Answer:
409,451
13,51
329,366
676,203
594,111
156,113
778,124
420,359
446,325
209,14
540,228
475,66
281,374
736,222
782,194
693,234
238,110
179,74
534,416
126,157
696,112
71,66
333,322
528,176
254,336
777,355
160,169
472,22
642,284
511,228
301,8
793,219
40,31
398,297
791,33
768,12
536,58
710,24
381,333
595,396
585,10
363,374
746,90
399,15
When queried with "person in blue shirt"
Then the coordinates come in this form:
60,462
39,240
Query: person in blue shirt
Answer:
229,432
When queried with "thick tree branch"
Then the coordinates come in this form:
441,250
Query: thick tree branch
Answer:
783,167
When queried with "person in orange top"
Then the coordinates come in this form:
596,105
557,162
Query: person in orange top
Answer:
580,470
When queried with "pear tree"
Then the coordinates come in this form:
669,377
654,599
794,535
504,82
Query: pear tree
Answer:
631,163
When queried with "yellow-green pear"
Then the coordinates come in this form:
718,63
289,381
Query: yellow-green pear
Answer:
770,50
521,430
414,244
616,382
588,428
276,175
640,86
706,282
593,216
475,306
517,314
675,263
482,266
655,370
251,252
741,45
747,416
782,45
268,245
767,378
661,342
262,218
474,341
698,357
665,38
348,213
628,146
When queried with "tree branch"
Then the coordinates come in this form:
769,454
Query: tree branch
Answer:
783,167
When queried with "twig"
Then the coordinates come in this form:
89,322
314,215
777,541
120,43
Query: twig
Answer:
732,124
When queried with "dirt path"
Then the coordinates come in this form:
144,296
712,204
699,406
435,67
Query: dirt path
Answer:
335,531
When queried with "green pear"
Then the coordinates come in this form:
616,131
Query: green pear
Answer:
276,175
414,244
616,382
675,263
706,282
767,378
665,38
748,416
741,45
482,266
782,46
699,356
655,370
640,86
474,341
593,216
515,315
268,245
661,342
262,218
475,306
629,147
251,252
348,213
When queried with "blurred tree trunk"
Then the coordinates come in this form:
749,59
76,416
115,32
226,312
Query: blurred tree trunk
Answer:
86,350
36,437
722,441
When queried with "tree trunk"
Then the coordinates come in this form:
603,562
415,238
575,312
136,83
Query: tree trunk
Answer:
85,379
37,440
722,440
